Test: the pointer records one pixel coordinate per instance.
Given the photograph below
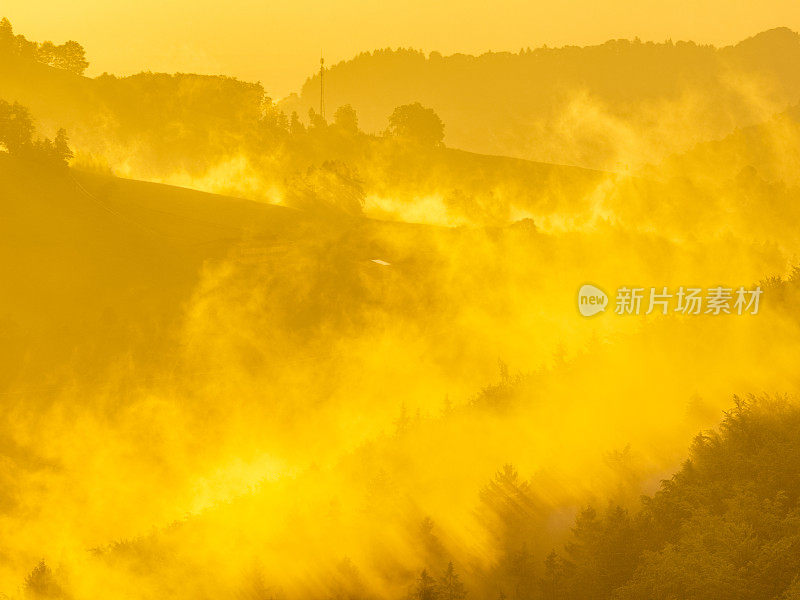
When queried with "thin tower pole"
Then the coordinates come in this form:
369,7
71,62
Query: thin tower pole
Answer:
322,87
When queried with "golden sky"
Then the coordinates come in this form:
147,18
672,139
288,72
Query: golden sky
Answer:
279,43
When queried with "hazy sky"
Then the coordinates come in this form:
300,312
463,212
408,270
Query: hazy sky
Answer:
278,43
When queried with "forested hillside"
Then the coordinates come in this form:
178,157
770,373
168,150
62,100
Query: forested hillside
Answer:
611,106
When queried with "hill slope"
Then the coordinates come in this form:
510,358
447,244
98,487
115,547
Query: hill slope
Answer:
215,134
96,264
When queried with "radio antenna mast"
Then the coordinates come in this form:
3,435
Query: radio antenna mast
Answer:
321,86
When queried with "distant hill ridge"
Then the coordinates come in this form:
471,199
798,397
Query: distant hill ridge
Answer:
563,104
612,107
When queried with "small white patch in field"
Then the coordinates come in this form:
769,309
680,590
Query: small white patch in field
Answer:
378,261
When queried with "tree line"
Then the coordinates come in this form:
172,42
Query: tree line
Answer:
69,56
18,137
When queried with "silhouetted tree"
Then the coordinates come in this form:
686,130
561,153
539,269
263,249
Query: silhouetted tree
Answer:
72,57
450,586
553,574
42,584
416,123
583,563
432,550
425,587
61,147
509,509
16,136
25,48
46,53
345,117
7,43
520,569
16,127
255,587
295,125
511,513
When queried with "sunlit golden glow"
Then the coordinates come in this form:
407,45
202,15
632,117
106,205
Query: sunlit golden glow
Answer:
245,358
